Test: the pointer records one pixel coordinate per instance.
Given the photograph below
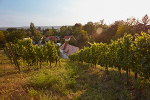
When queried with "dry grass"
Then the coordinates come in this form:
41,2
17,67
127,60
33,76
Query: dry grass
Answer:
11,80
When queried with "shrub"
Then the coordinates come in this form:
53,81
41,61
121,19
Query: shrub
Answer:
71,83
137,84
33,93
43,80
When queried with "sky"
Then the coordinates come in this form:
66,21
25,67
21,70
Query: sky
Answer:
18,13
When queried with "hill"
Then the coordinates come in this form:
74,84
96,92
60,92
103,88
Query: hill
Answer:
67,81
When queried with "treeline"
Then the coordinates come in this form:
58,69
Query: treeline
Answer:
31,54
127,53
81,34
13,34
101,32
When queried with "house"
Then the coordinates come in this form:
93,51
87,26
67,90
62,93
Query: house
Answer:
67,38
49,38
58,37
59,44
67,49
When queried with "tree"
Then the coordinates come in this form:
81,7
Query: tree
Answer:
62,31
11,30
29,34
23,31
28,52
39,28
11,48
123,53
132,22
43,40
102,22
37,37
91,39
73,41
89,27
54,31
122,28
51,51
145,21
142,26
96,25
2,37
48,32
82,38
142,54
102,53
102,34
7,35
62,41
77,25
14,36
69,31
77,32
39,52
32,29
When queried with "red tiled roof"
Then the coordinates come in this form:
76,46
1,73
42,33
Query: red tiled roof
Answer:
69,49
67,37
52,37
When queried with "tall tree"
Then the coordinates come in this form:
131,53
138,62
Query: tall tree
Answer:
62,31
32,29
145,21
82,39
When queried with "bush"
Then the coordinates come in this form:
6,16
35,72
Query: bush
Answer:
46,97
137,84
43,80
55,79
71,83
33,93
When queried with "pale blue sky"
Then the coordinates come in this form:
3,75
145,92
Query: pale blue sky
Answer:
17,13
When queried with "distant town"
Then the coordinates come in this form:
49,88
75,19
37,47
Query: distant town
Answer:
27,27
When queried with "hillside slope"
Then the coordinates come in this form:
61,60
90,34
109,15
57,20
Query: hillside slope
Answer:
71,80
